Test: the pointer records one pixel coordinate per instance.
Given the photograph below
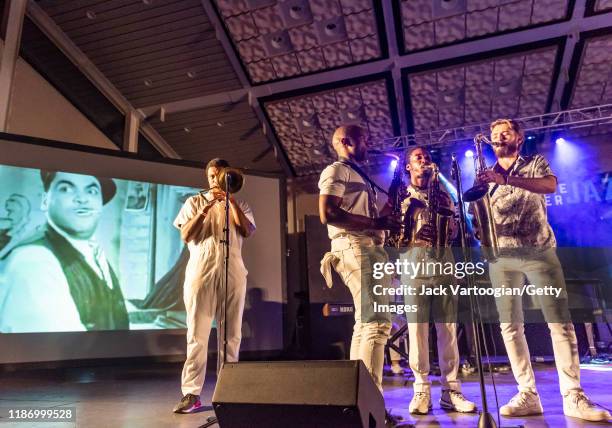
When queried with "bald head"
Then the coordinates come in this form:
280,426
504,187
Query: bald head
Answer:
349,142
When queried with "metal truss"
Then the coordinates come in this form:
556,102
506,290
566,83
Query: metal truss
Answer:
557,121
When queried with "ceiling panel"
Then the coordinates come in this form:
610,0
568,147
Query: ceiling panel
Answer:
515,85
230,131
305,123
277,40
430,23
602,5
154,52
593,83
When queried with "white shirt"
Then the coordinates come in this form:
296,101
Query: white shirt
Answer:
35,295
358,197
88,248
206,251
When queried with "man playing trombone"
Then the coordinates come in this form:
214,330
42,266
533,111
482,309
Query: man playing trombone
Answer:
201,221
517,185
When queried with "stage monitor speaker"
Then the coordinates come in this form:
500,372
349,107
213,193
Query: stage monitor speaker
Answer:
298,394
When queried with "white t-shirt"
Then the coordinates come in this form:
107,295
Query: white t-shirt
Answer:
358,197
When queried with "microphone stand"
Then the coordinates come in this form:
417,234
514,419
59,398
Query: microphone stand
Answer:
212,420
486,419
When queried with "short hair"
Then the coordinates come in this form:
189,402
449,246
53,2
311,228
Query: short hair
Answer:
217,163
412,149
107,185
514,124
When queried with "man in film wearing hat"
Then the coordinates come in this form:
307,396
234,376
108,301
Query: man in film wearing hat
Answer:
59,278
201,221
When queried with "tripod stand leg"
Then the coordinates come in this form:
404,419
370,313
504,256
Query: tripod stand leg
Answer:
210,421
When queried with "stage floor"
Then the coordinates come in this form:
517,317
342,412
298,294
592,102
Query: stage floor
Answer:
143,396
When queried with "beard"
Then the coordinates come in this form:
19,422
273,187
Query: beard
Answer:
507,149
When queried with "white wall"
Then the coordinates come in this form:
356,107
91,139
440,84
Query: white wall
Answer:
37,109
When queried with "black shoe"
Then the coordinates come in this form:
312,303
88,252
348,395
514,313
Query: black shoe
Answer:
391,420
189,404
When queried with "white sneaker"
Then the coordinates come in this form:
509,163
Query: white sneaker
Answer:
456,401
523,404
577,405
420,403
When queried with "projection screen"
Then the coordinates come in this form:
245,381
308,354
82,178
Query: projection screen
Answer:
91,265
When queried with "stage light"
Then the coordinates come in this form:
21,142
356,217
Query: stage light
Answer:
568,157
469,154
394,164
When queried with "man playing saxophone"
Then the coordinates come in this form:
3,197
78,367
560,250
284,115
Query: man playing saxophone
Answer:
428,224
517,185
347,205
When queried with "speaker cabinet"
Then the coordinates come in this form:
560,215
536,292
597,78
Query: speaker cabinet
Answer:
298,394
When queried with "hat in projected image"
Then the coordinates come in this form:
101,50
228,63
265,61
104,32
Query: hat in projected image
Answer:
109,188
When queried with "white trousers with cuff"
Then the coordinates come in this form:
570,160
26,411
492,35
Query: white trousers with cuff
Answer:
542,270
354,263
203,294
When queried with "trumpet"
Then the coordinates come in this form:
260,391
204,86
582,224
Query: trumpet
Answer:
479,196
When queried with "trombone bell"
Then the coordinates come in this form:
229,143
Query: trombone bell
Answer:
231,176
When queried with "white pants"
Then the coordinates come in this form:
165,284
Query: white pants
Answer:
371,330
204,300
541,270
444,311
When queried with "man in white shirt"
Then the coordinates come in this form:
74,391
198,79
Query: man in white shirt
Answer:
347,205
58,279
201,222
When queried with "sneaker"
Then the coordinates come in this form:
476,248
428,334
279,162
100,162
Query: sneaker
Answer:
189,404
420,404
524,403
577,405
456,401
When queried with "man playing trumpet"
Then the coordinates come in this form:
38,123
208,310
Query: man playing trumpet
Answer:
422,238
201,222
